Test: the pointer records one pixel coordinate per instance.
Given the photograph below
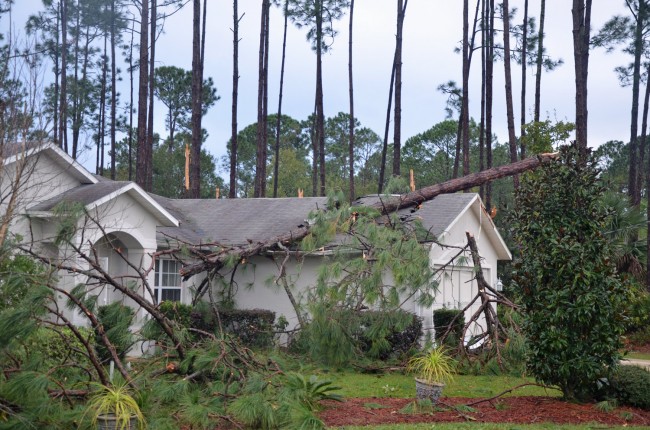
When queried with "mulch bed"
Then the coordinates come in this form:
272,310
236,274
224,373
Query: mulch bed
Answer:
520,410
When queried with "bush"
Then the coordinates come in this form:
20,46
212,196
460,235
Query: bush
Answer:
253,327
631,386
442,319
398,341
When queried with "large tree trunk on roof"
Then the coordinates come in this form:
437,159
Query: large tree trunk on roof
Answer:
217,260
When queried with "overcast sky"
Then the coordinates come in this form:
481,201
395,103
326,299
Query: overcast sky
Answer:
432,30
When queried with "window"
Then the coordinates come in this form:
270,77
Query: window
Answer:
167,285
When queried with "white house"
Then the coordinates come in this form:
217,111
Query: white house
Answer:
127,226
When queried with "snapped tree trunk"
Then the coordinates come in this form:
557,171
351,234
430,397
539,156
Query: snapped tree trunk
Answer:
276,164
397,125
384,148
260,165
351,92
232,190
512,140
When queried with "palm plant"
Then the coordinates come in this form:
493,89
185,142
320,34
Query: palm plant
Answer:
115,408
434,366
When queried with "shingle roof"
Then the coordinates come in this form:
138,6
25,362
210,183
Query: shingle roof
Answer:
84,194
238,221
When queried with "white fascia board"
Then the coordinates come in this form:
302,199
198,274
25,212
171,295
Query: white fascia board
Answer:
144,198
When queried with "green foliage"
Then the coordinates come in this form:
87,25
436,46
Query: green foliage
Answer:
571,295
435,365
310,391
17,273
442,319
544,136
116,320
631,386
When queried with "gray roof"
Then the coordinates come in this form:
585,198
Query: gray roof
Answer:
238,221
84,194
235,221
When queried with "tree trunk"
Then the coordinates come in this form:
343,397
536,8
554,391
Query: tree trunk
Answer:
102,112
397,125
57,74
232,191
581,12
130,134
524,53
144,156
481,136
644,133
351,92
278,124
464,116
489,93
540,60
320,110
260,167
152,67
508,76
63,100
385,206
197,138
113,89
634,186
76,124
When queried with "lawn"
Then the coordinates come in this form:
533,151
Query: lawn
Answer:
638,355
397,384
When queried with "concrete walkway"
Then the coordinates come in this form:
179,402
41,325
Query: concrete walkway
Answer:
636,362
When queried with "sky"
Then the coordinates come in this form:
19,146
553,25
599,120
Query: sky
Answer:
432,29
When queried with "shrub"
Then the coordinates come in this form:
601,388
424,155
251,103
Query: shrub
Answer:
631,386
571,296
442,319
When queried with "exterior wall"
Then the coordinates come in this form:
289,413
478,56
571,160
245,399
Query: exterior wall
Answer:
44,180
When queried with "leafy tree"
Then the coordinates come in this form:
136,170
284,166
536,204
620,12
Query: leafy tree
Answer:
173,87
570,292
294,175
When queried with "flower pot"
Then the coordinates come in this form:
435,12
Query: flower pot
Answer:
426,390
110,422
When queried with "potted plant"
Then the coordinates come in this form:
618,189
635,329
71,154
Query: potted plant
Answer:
114,408
432,368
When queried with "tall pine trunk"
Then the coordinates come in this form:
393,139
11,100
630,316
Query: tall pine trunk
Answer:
152,64
524,54
384,148
130,134
102,113
232,191
397,125
464,115
260,167
320,114
512,140
144,155
581,13
113,89
489,95
540,61
351,92
276,164
195,152
63,96
481,136
57,75
634,188
76,124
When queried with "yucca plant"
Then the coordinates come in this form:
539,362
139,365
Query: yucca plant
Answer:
115,408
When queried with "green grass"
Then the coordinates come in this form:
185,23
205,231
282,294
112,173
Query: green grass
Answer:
399,385
638,355
488,426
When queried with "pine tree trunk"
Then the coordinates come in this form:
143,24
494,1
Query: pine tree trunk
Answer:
276,164
195,153
489,93
320,114
481,137
634,188
265,103
508,76
260,166
130,134
524,54
540,60
397,123
102,112
57,75
143,159
581,13
76,124
464,116
351,92
152,67
113,90
232,191
63,96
